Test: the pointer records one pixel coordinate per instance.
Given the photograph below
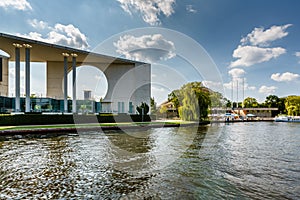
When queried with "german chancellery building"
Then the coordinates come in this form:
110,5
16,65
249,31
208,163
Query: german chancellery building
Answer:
129,82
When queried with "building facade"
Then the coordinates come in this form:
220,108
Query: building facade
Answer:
129,82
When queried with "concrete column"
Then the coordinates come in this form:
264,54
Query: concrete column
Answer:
74,82
55,79
27,77
65,82
17,77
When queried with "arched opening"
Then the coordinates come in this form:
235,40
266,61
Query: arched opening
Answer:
4,54
91,83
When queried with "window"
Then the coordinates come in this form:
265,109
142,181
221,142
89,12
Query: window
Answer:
130,107
121,107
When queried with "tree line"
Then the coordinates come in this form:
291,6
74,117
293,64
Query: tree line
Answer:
289,105
193,102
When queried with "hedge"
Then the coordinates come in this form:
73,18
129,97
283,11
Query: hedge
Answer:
44,119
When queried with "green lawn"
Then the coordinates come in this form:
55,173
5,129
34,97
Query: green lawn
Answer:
57,126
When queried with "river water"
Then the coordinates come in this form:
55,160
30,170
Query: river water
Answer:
259,160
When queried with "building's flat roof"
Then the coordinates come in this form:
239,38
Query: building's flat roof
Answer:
42,51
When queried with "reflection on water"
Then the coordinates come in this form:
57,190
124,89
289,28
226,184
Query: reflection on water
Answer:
217,161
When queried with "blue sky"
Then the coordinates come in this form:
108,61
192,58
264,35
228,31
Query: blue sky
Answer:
253,43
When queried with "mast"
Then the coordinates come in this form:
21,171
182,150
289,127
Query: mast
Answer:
232,93
237,93
243,91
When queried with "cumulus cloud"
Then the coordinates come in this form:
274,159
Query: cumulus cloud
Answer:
239,83
148,48
254,47
267,90
214,85
285,77
236,73
211,84
262,37
16,4
149,9
38,24
191,9
67,35
250,55
238,80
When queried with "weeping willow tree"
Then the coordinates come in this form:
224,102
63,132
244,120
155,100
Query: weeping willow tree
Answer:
189,111
292,105
192,101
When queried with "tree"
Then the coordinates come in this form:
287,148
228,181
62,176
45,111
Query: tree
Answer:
272,101
192,101
153,106
281,105
250,102
175,97
189,111
228,104
292,105
217,100
143,108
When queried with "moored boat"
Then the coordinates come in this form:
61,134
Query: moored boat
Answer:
287,119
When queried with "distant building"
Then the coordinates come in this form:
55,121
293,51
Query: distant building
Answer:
87,94
170,110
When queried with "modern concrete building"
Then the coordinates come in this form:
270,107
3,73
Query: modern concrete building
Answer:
129,82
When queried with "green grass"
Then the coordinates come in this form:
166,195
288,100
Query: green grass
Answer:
57,126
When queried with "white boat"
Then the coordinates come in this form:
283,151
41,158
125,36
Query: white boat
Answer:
287,119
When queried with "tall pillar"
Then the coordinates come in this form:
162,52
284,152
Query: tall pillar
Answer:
66,55
17,77
27,77
74,110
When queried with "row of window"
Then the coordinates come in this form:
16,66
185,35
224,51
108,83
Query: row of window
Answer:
7,105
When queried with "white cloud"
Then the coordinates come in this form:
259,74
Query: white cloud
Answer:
211,84
38,24
16,4
297,54
150,9
67,35
262,37
253,48
238,80
250,55
239,83
267,89
235,73
285,77
191,9
12,75
160,93
148,48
